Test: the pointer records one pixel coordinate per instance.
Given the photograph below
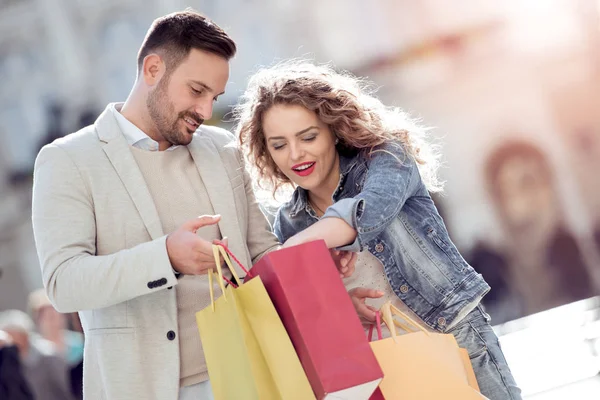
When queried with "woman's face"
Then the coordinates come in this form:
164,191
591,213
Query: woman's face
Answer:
302,147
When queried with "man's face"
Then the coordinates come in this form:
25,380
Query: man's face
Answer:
184,97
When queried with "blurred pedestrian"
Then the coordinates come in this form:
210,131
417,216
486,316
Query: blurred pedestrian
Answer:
46,372
54,327
13,385
539,246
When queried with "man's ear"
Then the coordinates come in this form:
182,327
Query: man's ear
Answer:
153,69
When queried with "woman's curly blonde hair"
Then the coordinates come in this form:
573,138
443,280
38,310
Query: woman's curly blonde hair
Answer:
343,102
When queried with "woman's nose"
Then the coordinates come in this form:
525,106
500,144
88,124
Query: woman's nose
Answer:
296,152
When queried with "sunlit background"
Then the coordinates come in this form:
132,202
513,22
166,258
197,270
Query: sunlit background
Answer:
511,89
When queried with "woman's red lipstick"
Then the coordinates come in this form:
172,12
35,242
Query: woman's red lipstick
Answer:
305,168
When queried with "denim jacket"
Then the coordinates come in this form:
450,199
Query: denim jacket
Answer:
384,199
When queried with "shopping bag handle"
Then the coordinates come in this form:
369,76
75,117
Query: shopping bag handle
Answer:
211,272
217,248
377,325
388,310
222,250
220,278
395,310
248,273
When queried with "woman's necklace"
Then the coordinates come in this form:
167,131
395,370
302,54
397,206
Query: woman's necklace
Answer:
316,208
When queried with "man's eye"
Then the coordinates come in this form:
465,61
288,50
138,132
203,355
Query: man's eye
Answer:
196,91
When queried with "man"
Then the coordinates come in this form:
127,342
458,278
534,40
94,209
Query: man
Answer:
115,217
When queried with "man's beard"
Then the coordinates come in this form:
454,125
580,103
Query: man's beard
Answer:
160,108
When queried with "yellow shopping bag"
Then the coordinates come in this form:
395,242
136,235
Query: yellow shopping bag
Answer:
421,364
248,353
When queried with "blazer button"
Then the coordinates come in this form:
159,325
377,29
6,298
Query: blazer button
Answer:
151,285
379,247
171,335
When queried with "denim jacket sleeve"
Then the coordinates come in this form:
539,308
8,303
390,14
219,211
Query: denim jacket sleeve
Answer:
392,177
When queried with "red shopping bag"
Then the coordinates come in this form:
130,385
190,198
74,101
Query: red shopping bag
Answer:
377,395
305,287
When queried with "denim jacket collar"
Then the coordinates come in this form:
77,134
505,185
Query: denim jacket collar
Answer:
348,163
299,199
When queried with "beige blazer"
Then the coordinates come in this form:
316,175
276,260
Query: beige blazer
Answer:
103,252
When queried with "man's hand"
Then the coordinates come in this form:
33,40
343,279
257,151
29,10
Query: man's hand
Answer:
222,242
358,296
188,253
345,261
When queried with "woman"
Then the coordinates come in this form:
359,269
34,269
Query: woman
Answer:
362,174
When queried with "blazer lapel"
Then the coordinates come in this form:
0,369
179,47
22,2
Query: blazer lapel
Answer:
118,152
214,175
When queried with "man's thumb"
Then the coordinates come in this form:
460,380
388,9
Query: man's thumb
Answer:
194,224
224,241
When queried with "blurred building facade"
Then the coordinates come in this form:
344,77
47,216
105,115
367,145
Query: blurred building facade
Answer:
485,74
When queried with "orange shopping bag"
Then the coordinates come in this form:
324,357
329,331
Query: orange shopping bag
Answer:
420,364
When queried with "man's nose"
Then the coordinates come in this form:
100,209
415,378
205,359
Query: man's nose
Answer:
205,109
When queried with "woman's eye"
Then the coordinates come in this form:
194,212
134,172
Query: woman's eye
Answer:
309,139
278,146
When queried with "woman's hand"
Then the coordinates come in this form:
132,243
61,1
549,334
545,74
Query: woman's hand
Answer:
345,261
358,296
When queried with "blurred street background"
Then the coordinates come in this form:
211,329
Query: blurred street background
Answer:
510,88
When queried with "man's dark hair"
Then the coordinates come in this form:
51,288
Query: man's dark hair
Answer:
173,36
